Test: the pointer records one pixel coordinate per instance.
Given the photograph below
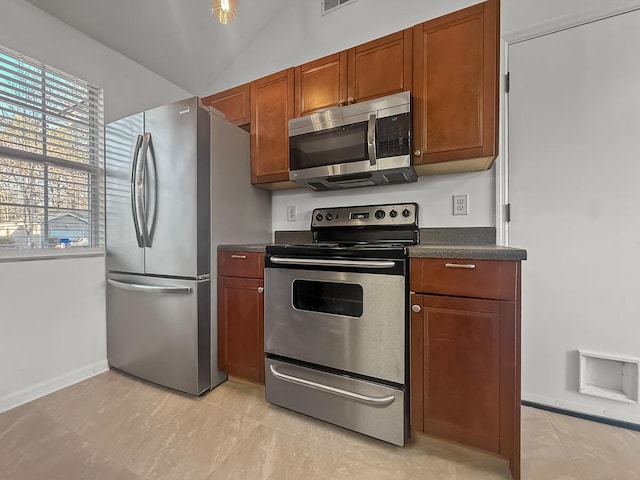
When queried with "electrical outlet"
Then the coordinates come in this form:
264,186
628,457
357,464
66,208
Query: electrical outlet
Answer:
292,213
461,204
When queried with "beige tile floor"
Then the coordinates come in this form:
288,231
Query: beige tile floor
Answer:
115,427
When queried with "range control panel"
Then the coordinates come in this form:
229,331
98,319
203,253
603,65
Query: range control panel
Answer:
396,214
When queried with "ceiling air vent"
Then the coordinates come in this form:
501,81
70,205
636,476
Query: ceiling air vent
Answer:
331,5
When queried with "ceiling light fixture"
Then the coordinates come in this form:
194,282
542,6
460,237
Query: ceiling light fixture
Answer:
225,11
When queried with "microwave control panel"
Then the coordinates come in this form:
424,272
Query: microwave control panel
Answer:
393,135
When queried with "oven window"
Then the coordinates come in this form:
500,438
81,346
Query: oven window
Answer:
328,297
328,147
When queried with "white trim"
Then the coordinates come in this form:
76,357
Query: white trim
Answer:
24,255
586,409
45,388
502,164
573,20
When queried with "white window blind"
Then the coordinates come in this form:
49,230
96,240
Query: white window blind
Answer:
51,157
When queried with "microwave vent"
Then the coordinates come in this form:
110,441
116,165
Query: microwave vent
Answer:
329,6
318,186
396,177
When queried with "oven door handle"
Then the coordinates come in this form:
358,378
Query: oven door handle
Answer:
380,401
334,263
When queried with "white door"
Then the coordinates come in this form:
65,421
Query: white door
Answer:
574,188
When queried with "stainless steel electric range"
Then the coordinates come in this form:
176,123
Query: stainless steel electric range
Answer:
336,320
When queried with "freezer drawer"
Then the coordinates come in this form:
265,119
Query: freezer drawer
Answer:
366,407
159,329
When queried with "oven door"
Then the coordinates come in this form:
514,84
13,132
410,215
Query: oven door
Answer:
346,320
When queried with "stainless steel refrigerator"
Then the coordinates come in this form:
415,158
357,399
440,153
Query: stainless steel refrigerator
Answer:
163,169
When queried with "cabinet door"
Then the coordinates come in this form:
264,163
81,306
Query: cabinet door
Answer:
321,84
271,108
380,67
235,103
456,369
455,88
240,327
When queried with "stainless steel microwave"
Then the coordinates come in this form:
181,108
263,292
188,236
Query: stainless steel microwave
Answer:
357,145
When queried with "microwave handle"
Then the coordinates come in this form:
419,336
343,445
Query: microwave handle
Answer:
371,139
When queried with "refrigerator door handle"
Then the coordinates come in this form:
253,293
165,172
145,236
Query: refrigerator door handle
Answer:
134,191
150,288
142,199
151,184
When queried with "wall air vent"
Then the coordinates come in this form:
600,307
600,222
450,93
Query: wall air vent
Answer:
331,5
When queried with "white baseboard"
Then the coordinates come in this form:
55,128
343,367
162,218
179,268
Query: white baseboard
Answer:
45,388
606,410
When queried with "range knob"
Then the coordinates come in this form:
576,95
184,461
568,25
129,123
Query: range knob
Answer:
393,213
380,214
319,217
329,217
406,213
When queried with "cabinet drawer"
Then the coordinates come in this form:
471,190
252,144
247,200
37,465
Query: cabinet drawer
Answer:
241,264
492,279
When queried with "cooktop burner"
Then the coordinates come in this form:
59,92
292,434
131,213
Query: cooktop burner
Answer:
373,231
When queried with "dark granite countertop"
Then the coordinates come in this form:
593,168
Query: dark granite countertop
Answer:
471,252
254,247
474,243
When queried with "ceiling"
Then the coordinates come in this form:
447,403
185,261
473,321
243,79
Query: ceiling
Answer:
177,39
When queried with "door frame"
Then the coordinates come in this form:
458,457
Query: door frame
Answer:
510,38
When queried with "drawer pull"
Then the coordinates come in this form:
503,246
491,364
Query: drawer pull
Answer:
239,257
469,266
380,401
416,308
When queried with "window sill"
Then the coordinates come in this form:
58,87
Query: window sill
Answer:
49,254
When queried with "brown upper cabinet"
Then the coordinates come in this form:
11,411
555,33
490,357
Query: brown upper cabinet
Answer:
455,90
235,103
271,109
374,69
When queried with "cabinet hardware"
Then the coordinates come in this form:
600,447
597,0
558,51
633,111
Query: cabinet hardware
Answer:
260,289
416,308
469,266
350,100
240,257
417,153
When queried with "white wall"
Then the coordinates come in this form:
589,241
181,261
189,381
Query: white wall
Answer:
433,195
128,87
52,319
52,312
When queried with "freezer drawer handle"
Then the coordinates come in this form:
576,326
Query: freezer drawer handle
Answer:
333,263
386,400
150,288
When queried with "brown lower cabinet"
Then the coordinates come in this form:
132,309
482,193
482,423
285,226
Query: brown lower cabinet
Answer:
465,353
241,315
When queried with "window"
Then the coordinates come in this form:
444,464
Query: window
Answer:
51,157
